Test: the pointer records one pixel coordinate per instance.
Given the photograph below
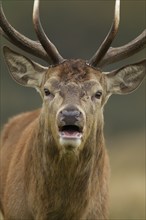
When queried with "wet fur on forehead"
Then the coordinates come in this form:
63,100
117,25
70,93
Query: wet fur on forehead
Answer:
75,71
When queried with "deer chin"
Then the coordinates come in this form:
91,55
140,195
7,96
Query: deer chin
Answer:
70,136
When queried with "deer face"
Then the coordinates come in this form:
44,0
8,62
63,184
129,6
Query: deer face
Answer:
73,94
73,91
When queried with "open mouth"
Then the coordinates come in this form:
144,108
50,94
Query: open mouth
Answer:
71,131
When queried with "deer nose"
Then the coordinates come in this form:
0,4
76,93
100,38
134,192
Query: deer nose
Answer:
70,115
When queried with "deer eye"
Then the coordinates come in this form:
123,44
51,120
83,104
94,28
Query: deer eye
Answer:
47,92
98,94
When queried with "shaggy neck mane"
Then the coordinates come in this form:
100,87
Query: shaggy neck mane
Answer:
72,176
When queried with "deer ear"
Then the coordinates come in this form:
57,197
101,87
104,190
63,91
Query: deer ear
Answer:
23,71
126,79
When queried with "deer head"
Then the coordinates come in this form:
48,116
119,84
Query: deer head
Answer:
74,92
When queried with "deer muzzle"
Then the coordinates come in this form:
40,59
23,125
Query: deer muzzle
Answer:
70,125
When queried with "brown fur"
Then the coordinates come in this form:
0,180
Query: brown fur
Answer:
53,187
39,182
40,178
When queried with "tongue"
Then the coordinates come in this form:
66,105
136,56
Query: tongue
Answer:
70,134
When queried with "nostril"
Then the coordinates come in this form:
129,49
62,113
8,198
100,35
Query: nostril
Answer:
77,114
71,113
70,116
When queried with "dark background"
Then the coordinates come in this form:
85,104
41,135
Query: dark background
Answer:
77,28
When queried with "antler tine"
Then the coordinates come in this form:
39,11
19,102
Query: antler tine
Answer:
19,40
97,57
116,54
46,43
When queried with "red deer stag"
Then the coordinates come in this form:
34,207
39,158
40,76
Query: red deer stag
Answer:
54,164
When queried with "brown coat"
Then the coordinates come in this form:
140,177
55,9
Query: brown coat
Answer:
40,183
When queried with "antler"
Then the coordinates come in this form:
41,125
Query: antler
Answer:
46,43
116,54
106,55
46,50
28,45
97,57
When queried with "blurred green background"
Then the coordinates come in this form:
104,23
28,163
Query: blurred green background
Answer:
77,28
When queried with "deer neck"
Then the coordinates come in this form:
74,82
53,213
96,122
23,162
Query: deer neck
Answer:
71,176
49,155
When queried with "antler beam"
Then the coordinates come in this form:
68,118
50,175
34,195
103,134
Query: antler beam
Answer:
119,53
97,57
45,42
20,40
28,45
